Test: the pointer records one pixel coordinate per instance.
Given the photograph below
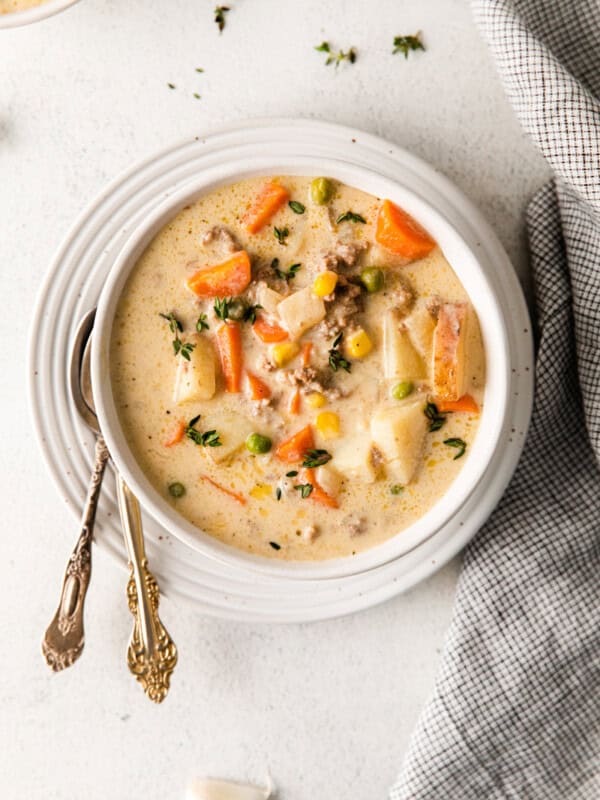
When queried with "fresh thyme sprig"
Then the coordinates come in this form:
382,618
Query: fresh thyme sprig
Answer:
336,359
184,349
204,439
202,324
285,276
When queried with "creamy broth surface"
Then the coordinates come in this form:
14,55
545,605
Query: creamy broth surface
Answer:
268,515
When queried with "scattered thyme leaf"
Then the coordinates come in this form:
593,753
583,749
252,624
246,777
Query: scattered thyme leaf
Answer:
396,489
291,474
305,489
285,276
275,546
199,69
220,12
278,493
281,234
336,359
459,444
206,439
316,458
197,96
171,85
350,216
297,207
436,419
336,58
250,313
175,326
404,44
202,324
221,307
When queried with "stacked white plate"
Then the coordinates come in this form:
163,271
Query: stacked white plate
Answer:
73,286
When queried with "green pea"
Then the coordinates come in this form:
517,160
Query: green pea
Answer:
402,390
236,309
372,279
321,190
257,443
176,489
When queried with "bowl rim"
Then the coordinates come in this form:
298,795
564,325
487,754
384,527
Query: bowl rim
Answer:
48,8
469,271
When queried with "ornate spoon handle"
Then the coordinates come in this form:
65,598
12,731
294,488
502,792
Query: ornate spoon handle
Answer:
64,639
151,654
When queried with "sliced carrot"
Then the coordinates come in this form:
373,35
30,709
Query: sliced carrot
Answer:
294,406
399,232
234,495
268,201
229,343
464,403
227,279
269,332
295,448
318,495
259,390
176,434
306,352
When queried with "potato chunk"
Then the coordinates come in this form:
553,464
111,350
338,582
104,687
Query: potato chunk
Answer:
233,430
400,359
449,351
421,325
195,379
267,298
301,311
352,457
398,432
329,479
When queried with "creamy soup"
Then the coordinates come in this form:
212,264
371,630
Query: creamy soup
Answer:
8,6
296,367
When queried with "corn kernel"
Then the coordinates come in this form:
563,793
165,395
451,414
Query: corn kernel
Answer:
328,424
283,353
325,283
359,344
261,490
316,400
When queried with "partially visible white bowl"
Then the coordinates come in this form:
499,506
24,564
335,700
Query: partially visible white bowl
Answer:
35,14
467,269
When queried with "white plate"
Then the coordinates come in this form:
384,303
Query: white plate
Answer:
34,14
74,284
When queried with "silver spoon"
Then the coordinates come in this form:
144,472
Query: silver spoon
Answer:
151,654
64,638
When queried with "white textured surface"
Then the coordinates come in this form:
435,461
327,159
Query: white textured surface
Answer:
328,708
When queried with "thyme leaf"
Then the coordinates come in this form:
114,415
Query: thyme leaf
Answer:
297,207
336,58
281,234
221,307
250,313
202,324
436,419
204,439
404,44
220,12
316,458
285,276
350,216
336,359
305,489
459,444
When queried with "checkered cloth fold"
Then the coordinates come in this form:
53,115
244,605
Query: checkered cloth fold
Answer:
516,706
